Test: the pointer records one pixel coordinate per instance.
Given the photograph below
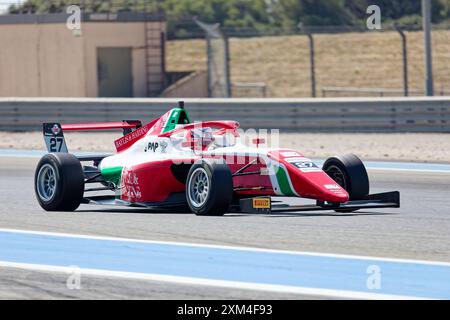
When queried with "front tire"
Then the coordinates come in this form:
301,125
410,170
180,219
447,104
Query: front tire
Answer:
349,172
59,182
209,188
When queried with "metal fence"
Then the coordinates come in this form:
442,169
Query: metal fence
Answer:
217,60
308,62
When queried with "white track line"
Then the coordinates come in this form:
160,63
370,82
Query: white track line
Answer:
408,170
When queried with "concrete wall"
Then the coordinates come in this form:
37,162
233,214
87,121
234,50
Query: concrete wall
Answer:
194,85
41,60
113,34
47,60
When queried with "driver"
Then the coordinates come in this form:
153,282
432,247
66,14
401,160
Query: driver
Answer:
202,137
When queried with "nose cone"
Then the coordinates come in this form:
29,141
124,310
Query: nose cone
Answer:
340,196
318,185
330,190
307,179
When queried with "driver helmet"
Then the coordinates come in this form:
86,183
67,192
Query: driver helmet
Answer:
203,136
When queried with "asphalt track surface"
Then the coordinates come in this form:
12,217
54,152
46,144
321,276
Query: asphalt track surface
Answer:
418,230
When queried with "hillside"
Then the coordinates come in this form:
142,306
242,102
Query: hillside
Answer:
344,60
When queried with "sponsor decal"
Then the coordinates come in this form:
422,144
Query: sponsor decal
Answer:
312,169
297,159
163,145
56,129
152,146
290,154
126,141
131,190
261,203
332,186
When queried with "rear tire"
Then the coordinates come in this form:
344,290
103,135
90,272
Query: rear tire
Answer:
209,188
59,182
349,172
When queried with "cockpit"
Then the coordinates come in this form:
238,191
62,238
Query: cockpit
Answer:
203,138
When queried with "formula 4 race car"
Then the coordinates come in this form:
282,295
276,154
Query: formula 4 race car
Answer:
205,167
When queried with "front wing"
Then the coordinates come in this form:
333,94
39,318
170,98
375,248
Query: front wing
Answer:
266,205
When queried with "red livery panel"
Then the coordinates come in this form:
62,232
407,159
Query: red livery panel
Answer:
149,182
308,180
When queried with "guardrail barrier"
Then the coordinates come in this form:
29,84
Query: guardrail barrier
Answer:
412,114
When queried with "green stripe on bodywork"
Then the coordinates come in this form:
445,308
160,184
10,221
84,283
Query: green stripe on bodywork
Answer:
177,116
283,181
112,174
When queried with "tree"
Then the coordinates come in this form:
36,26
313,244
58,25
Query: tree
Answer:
398,9
257,14
289,13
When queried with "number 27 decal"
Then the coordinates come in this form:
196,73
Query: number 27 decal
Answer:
56,144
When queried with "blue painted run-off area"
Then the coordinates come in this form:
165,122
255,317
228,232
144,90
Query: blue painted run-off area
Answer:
231,264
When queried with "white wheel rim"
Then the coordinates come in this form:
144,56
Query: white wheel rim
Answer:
46,182
198,187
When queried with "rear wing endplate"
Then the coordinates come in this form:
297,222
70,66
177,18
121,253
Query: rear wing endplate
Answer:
54,138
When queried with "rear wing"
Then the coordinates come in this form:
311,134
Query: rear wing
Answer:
54,136
126,125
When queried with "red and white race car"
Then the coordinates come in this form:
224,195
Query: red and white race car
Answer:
205,166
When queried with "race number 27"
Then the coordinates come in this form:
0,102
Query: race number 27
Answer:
56,144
